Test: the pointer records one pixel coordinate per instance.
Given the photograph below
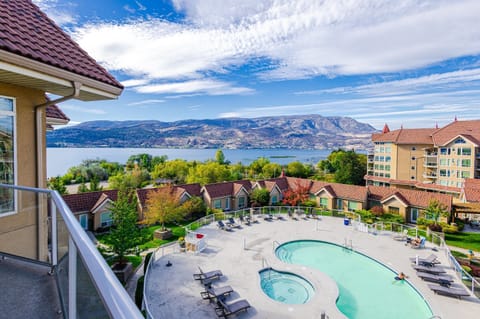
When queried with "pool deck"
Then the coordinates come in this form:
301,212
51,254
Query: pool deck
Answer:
240,254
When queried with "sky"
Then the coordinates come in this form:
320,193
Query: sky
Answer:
409,63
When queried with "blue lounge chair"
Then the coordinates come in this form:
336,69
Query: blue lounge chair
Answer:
430,261
244,220
207,276
444,280
225,310
222,226
218,293
449,291
231,223
431,270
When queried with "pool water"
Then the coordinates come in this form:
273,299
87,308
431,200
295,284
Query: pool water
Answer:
367,288
285,287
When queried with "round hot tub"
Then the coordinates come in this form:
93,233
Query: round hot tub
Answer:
285,287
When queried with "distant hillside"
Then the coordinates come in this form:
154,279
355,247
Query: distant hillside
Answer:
294,132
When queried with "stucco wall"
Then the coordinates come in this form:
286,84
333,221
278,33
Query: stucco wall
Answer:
20,233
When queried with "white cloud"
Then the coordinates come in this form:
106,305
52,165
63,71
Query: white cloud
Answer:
60,14
209,87
146,102
302,38
85,109
134,82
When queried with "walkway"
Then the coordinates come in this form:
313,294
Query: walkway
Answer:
172,292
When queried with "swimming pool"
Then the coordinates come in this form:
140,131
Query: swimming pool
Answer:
285,287
367,288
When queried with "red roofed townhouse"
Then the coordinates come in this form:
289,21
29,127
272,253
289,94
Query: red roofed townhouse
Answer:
227,195
38,58
434,159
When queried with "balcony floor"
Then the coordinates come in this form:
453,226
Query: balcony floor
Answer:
27,291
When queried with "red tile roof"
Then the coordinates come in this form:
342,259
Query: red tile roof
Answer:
26,31
226,189
414,198
406,136
54,112
85,202
471,190
456,128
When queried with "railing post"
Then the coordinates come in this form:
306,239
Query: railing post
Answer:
72,279
53,215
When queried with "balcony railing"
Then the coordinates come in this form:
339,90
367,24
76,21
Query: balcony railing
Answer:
430,164
430,176
43,230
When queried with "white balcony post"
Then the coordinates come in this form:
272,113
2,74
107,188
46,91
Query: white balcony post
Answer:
72,279
53,215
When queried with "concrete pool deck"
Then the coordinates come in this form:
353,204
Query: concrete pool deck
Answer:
171,292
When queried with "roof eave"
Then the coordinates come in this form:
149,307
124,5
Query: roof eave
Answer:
22,71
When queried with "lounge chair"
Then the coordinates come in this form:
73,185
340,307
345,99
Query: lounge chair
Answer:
430,261
231,222
216,293
444,280
245,220
222,226
225,310
268,217
430,270
449,291
207,277
421,244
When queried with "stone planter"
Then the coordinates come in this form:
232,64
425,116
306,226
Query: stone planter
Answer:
162,234
123,272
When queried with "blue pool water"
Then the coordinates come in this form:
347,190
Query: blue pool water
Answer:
367,288
285,287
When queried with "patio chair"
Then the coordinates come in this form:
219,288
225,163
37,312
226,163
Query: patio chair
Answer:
216,293
268,217
430,270
430,261
207,276
449,291
225,310
245,220
231,223
418,245
222,226
443,280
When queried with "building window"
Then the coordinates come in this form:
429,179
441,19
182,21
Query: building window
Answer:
323,202
466,163
7,154
388,158
227,203
339,204
393,210
465,151
274,199
217,204
241,202
413,215
106,219
465,174
352,206
460,141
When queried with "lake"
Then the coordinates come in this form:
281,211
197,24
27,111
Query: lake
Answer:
59,160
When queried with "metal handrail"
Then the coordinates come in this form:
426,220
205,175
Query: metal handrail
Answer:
114,296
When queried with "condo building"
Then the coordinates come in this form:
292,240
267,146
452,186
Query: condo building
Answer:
436,159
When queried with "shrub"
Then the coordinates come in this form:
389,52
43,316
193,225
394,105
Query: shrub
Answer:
458,254
394,218
467,269
377,210
448,228
147,261
139,292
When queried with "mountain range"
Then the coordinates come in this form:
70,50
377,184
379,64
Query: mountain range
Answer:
286,132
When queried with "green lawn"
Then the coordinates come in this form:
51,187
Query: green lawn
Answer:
464,240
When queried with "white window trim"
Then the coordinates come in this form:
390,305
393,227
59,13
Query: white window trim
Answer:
15,166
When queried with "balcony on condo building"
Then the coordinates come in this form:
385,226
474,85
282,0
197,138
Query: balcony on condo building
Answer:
48,264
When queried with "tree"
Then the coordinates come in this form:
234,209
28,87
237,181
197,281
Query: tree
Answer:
208,173
271,170
296,169
347,167
298,194
436,209
176,170
142,161
129,180
163,206
124,235
256,167
260,197
194,208
95,184
220,157
56,183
